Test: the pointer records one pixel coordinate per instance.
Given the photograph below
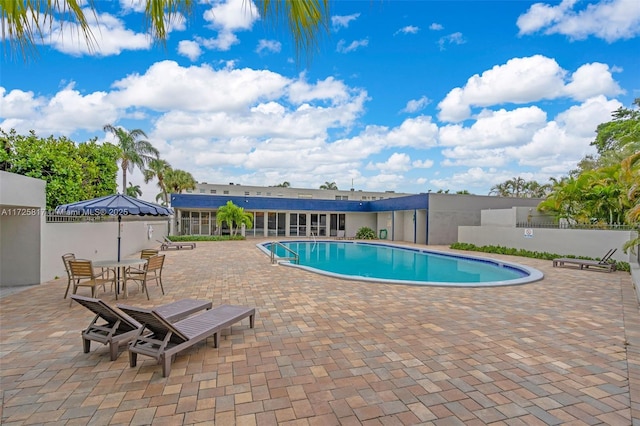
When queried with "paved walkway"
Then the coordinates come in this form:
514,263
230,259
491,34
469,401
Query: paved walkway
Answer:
565,350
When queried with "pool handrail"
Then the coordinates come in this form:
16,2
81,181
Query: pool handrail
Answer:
295,257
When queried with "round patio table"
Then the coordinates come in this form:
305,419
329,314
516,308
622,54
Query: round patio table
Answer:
119,268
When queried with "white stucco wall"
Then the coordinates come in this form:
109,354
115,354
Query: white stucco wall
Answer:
96,241
578,242
22,215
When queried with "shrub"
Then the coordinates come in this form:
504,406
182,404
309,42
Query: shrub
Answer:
366,233
621,266
177,238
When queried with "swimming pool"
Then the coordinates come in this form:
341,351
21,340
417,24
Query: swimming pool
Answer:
387,263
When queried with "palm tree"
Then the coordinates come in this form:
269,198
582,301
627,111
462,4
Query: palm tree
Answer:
23,22
329,185
234,217
631,173
157,168
500,190
176,180
133,152
133,191
284,184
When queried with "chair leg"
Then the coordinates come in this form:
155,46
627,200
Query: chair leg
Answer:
66,292
145,288
75,289
161,286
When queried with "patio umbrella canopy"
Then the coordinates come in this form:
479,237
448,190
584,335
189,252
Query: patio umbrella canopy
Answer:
114,205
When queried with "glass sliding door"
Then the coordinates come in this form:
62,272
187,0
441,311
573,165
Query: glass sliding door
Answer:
258,224
272,223
298,224
282,224
319,224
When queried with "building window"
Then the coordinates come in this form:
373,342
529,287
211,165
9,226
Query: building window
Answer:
213,191
189,191
259,193
226,192
202,190
268,194
246,193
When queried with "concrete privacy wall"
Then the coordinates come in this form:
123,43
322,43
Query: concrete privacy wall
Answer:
498,229
22,215
97,241
448,211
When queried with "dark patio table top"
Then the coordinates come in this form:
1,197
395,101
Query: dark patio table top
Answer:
325,351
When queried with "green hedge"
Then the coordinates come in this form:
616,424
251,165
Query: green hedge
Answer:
621,266
177,238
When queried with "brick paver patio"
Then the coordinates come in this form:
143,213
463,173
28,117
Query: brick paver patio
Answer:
564,350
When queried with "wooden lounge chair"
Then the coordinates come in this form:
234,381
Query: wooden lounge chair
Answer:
115,328
162,340
167,244
604,264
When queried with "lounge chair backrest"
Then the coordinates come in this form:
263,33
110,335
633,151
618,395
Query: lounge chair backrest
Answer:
107,313
81,268
607,256
147,253
155,323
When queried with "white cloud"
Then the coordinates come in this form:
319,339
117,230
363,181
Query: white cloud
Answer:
418,132
472,178
110,37
343,47
190,49
409,29
592,80
343,21
422,164
610,20
523,80
272,46
397,162
232,15
415,105
167,86
494,129
436,27
229,17
454,38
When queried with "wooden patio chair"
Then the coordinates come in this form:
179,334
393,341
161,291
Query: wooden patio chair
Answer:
152,271
84,275
162,340
115,328
144,254
65,259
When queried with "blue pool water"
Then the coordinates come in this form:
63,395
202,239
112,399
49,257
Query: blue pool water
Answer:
402,265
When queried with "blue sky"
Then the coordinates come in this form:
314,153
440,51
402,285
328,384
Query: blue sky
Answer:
408,96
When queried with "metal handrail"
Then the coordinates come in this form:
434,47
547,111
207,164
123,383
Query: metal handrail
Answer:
295,257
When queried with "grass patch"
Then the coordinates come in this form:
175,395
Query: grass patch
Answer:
620,266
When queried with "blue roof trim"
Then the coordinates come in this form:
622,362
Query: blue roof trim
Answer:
205,201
